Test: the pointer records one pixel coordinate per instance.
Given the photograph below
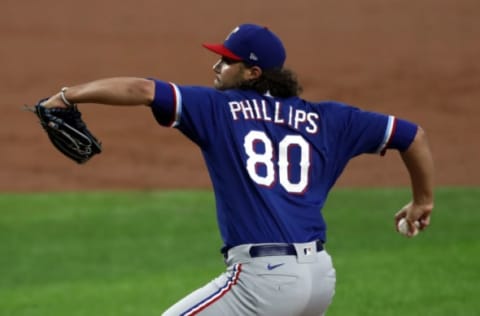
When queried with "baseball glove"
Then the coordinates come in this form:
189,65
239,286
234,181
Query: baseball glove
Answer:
67,131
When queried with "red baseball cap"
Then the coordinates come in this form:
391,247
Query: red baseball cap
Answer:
253,44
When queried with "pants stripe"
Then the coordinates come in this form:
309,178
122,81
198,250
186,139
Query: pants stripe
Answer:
217,295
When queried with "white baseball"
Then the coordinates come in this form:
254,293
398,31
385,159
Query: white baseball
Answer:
403,227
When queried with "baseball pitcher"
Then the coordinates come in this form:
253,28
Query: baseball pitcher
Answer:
272,157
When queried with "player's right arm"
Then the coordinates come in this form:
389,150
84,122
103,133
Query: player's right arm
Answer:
110,91
419,163
369,132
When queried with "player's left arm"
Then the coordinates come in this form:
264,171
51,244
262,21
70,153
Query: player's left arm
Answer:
419,163
110,91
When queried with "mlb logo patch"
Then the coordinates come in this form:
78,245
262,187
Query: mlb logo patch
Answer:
307,251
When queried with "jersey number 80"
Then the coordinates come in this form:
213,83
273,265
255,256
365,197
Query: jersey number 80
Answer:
266,158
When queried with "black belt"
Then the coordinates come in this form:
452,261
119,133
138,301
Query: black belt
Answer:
273,250
278,250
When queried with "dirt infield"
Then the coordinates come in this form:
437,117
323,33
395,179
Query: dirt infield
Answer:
414,59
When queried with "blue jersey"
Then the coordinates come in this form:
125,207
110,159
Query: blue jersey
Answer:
272,161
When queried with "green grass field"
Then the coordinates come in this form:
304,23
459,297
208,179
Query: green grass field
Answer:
136,253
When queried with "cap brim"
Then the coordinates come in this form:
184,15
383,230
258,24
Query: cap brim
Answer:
220,49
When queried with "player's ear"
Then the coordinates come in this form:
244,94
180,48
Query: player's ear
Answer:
253,72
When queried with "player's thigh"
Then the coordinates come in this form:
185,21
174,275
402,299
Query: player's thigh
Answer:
226,295
193,302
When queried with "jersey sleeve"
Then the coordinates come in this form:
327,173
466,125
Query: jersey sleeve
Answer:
398,135
371,132
190,109
167,104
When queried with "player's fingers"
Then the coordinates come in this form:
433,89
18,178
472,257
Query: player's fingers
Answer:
424,222
402,213
411,228
54,102
399,215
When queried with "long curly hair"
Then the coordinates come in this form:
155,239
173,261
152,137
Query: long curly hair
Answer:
281,83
